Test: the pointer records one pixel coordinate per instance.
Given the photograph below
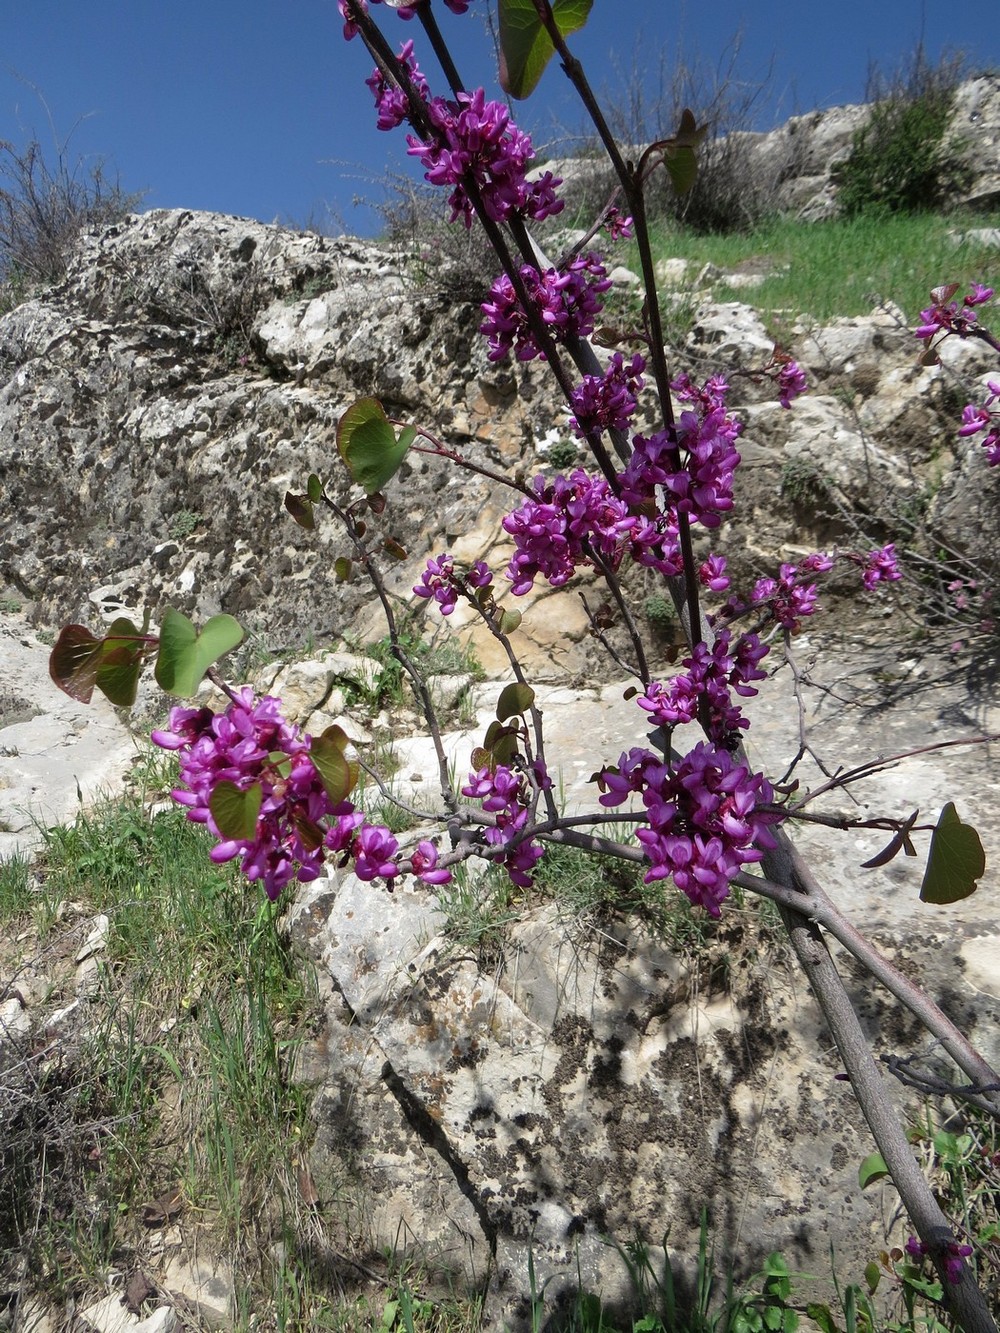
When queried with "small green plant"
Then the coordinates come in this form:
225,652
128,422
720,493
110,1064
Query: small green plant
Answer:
10,606
902,161
803,483
660,613
184,523
563,454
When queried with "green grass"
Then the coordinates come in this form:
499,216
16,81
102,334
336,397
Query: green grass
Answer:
15,886
840,267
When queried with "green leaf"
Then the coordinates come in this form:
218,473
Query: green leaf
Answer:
300,508
682,166
871,1169
235,811
368,444
525,47
314,488
956,861
343,569
820,1315
123,652
185,655
509,621
337,773
514,700
873,1276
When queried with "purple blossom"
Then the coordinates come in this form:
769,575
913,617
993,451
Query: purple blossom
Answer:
566,301
705,817
423,863
507,794
976,419
391,102
445,584
608,401
439,581
567,518
880,567
617,225
373,849
696,468
712,573
789,600
791,382
951,1260
251,745
944,315
473,139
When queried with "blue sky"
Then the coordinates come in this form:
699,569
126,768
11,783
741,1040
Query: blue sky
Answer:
259,109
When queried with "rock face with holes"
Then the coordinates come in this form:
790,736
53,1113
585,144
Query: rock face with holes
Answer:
157,407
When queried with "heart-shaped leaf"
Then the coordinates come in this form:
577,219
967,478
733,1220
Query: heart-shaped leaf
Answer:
301,509
871,1169
514,700
185,655
122,654
314,488
368,444
509,621
956,861
525,47
343,569
235,811
337,773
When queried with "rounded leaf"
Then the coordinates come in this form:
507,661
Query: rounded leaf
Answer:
235,811
525,46
956,861
514,700
185,654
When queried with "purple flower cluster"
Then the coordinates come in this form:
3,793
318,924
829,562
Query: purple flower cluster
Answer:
945,315
508,795
705,817
789,600
711,674
551,531
976,419
696,471
953,1257
441,581
252,745
791,382
567,301
608,401
617,225
880,566
476,139
390,100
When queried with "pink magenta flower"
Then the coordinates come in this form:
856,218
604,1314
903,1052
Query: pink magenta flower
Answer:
473,140
566,300
608,401
791,382
373,849
880,566
704,813
251,745
423,863
507,794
